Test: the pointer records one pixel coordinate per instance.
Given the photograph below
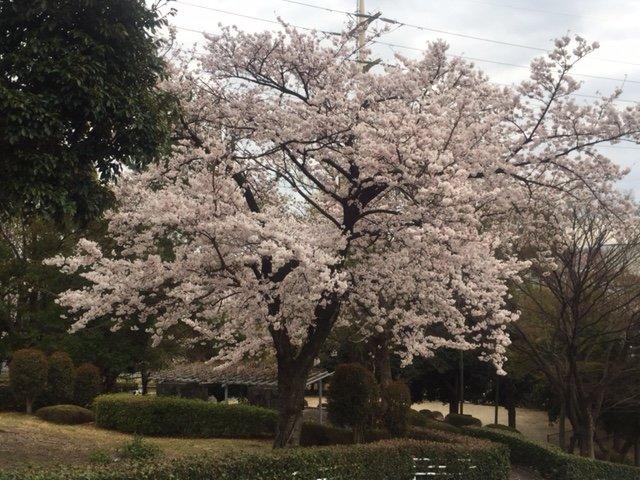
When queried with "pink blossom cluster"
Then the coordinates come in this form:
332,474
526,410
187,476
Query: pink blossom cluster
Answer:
302,185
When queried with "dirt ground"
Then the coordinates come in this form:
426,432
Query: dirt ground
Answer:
28,441
533,424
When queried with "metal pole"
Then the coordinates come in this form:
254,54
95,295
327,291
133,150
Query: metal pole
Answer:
461,383
320,399
495,419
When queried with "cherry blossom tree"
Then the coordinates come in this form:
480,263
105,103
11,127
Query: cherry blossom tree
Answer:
301,184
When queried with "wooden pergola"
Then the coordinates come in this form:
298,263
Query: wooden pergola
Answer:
253,373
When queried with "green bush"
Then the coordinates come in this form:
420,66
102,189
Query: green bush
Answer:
7,400
314,434
462,420
88,384
398,459
353,398
65,414
139,449
173,416
432,414
61,378
28,375
397,407
551,462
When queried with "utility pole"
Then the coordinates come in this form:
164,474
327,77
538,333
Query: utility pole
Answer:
362,32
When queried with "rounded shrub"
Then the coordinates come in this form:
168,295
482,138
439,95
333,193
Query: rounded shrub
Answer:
396,399
462,420
432,414
353,398
181,417
61,378
65,414
28,375
88,384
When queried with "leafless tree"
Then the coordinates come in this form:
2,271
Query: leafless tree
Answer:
581,318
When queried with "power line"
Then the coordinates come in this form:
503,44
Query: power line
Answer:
617,147
528,9
447,32
507,64
396,45
227,12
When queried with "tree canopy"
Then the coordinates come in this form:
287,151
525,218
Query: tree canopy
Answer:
78,95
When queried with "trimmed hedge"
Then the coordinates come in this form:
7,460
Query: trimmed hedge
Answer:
419,419
65,414
182,417
432,414
476,460
314,434
553,463
462,420
505,428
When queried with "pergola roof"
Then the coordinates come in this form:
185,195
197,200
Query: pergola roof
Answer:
264,374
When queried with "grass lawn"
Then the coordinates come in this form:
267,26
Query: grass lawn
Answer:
28,441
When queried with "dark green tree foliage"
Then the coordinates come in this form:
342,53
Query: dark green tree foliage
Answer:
78,94
61,378
396,399
437,378
353,398
28,375
88,384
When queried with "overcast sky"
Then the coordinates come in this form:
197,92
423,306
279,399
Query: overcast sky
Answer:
613,23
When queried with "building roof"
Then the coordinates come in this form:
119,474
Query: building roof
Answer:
264,374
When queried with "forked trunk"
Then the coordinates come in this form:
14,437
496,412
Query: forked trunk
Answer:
290,405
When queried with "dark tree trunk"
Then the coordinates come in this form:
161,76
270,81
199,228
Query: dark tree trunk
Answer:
636,453
511,414
454,393
110,381
144,381
587,444
291,385
562,426
29,405
453,405
381,359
